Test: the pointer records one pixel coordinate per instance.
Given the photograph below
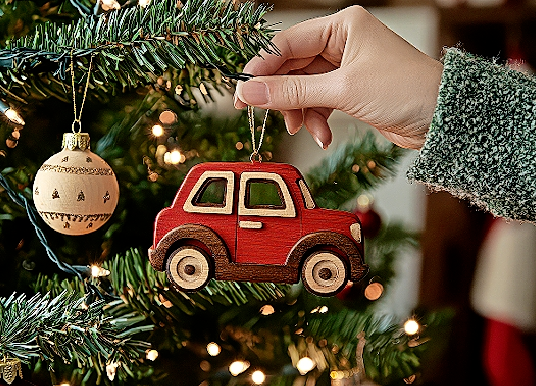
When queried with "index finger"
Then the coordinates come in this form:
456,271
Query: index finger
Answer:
305,39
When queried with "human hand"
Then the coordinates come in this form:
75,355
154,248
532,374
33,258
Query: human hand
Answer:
349,61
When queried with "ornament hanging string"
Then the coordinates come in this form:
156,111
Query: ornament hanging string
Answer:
255,149
20,199
78,114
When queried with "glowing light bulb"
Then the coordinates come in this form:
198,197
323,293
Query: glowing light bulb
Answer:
305,365
110,4
176,157
151,355
111,370
323,309
364,201
167,157
213,349
411,327
238,367
158,130
144,3
258,377
267,309
14,117
97,271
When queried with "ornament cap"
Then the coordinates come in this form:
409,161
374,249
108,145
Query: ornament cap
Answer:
73,141
9,368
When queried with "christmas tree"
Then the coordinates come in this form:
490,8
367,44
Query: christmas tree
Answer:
90,309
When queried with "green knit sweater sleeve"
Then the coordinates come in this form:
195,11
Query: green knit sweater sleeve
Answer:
482,141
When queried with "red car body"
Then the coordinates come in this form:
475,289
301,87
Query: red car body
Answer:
259,238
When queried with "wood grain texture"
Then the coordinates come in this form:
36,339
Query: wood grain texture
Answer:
190,205
269,226
187,234
324,273
189,268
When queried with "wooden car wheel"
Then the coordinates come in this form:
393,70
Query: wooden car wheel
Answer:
188,268
324,273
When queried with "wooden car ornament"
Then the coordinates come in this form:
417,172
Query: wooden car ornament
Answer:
255,222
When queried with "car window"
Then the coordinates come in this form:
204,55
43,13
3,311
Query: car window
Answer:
212,193
263,193
306,193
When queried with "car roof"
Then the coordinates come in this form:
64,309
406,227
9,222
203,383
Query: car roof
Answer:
239,167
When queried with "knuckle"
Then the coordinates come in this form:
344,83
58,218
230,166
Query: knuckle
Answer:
294,92
357,15
356,11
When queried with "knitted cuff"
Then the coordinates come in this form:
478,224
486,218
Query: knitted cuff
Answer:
482,141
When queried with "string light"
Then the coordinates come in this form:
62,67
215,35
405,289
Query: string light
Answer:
158,130
341,374
258,377
167,157
374,291
267,309
323,309
11,114
205,366
305,365
213,349
176,157
97,271
411,327
110,4
14,117
151,355
111,370
364,201
168,117
144,3
238,367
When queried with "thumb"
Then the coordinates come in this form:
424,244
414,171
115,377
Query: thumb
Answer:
290,92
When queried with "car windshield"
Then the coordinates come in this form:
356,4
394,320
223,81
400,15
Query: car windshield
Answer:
306,193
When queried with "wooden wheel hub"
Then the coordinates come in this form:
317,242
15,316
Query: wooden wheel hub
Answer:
325,273
189,269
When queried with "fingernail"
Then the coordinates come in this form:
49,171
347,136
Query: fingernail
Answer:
293,130
320,143
235,99
254,93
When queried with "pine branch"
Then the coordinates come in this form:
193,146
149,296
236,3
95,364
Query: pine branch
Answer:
132,46
389,354
144,290
67,328
359,165
382,250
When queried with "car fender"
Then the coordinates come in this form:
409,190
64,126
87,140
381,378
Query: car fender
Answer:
200,233
315,241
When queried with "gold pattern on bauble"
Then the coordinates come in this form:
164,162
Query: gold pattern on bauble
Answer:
75,190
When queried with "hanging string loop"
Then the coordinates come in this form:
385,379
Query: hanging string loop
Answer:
78,114
255,155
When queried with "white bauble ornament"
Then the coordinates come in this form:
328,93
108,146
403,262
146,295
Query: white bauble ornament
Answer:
75,191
